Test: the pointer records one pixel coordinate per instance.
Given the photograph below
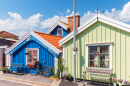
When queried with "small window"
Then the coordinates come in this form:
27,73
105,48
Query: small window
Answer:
59,31
32,56
99,56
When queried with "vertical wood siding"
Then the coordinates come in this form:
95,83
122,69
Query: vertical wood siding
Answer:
98,33
20,57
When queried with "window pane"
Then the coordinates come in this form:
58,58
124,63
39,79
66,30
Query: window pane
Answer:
92,49
34,56
59,32
93,63
30,54
93,57
104,57
35,52
103,49
29,60
104,64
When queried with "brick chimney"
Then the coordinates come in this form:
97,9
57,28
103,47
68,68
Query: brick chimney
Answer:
70,22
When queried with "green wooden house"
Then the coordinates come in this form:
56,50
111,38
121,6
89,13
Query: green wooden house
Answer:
107,37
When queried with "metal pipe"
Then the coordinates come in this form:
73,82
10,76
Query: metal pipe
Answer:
74,44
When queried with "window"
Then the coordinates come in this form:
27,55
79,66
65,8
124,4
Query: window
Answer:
32,56
59,31
98,56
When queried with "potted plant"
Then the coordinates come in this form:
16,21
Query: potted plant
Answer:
75,49
120,82
4,69
127,83
70,78
114,81
67,76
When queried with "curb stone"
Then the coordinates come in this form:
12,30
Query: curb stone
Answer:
56,82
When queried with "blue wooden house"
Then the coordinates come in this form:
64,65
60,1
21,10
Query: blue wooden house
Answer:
41,46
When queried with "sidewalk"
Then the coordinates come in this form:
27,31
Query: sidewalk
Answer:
28,79
80,83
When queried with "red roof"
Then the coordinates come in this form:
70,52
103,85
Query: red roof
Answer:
7,34
54,40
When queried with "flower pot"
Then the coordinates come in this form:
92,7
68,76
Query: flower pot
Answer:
70,78
114,84
66,78
4,71
75,52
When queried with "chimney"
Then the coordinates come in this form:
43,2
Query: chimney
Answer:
70,22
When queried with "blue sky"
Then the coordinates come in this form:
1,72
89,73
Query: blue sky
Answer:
20,16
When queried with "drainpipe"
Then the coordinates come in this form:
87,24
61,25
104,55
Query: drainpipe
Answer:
74,44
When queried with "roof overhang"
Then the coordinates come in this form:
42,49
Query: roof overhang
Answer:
101,18
10,39
55,25
31,33
3,46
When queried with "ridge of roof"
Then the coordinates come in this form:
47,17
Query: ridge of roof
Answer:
101,18
5,33
55,25
46,34
64,23
49,45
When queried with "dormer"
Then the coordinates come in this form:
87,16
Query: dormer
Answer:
62,29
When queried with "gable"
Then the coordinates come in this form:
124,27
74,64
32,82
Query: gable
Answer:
100,18
55,31
55,25
97,33
33,36
29,39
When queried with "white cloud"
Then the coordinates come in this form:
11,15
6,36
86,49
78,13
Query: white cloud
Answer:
121,15
14,15
17,23
19,26
22,33
73,13
51,21
68,11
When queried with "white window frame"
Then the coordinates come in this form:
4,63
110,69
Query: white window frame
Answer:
100,44
32,49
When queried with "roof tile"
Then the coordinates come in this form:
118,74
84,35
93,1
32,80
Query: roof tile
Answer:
54,40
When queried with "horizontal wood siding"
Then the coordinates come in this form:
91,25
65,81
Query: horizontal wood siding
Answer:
99,33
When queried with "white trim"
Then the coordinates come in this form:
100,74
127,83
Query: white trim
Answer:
10,39
55,25
32,49
96,44
9,60
18,42
3,46
86,56
56,61
63,54
101,18
36,36
100,44
46,43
